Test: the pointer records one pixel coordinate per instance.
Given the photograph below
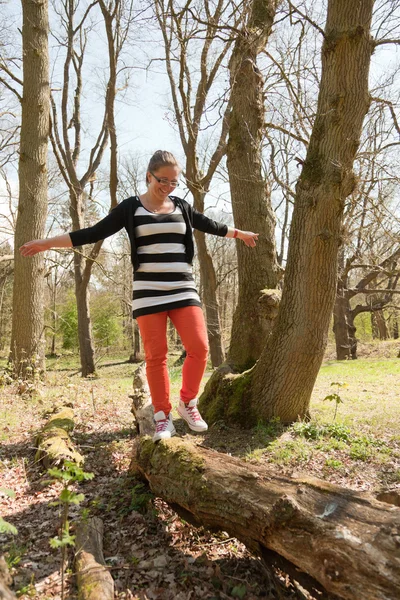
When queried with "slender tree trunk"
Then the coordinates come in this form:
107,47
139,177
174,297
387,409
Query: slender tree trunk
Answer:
251,201
341,320
27,339
282,381
209,289
54,317
86,346
381,325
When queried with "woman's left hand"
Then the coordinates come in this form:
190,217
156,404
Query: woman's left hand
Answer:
248,237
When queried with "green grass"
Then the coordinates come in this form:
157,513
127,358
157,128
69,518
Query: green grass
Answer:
365,433
369,401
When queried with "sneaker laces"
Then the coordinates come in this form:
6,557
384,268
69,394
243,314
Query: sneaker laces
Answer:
161,425
194,413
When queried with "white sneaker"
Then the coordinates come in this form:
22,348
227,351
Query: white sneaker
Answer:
189,412
164,426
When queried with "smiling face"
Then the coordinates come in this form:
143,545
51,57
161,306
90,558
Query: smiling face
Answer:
168,175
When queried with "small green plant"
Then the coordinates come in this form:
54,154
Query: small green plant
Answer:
360,450
333,463
14,555
141,496
335,397
5,526
69,474
239,591
308,430
27,590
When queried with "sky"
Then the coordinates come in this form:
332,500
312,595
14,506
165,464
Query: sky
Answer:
143,109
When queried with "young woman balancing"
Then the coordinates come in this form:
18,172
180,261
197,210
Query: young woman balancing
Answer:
159,227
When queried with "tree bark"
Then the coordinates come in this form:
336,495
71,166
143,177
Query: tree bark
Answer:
343,323
27,338
251,200
281,383
86,345
53,442
94,579
345,540
209,289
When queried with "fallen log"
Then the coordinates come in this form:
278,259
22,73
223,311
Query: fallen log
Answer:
93,577
53,442
347,541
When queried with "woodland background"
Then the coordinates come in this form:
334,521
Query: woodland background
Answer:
285,118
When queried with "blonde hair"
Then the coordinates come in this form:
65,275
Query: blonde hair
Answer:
161,158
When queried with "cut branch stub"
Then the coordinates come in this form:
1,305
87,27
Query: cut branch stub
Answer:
347,541
53,442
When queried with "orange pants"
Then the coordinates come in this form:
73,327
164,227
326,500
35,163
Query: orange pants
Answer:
189,323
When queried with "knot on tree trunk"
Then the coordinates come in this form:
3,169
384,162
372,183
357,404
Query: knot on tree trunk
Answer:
269,303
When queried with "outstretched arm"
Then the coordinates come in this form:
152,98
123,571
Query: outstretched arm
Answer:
248,237
36,246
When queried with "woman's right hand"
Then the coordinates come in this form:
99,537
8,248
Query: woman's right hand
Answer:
34,247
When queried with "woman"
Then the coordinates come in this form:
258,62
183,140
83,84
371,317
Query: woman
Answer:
159,227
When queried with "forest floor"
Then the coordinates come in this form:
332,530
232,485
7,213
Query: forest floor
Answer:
152,553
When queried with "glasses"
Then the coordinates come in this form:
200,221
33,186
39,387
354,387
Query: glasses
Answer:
164,181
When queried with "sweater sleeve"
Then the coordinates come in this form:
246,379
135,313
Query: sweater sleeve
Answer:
112,223
203,223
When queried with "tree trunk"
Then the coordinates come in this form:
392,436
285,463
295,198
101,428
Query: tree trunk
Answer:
381,325
343,323
281,383
85,336
340,316
86,346
27,339
251,200
346,540
209,289
54,446
93,577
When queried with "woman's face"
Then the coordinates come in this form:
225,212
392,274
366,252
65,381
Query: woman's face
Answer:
163,181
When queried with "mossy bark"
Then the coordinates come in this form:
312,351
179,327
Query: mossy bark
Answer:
227,397
53,442
283,378
345,540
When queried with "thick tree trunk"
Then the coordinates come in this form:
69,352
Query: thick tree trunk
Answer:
281,383
251,201
27,339
347,541
285,375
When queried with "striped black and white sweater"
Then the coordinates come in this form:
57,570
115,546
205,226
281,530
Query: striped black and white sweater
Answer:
162,251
